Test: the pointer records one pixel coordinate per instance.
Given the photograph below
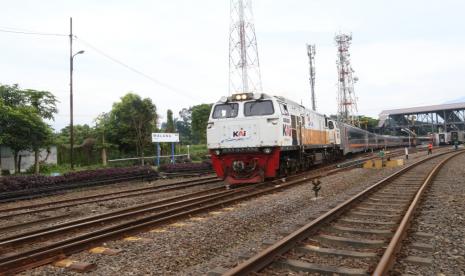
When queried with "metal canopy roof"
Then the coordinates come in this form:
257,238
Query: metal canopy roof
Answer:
416,110
422,109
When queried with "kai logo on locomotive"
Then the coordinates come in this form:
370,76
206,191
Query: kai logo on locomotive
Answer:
239,133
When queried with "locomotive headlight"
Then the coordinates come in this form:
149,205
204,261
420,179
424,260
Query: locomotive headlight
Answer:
217,152
238,97
267,150
244,96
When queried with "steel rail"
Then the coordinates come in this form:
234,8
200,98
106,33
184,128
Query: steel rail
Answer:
268,255
51,252
112,196
46,254
110,216
395,244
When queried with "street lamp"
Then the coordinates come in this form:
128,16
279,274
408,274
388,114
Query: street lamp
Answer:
71,126
408,131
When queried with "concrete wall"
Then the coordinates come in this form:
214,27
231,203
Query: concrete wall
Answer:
27,159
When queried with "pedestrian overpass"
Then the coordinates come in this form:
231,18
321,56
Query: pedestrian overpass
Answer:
423,120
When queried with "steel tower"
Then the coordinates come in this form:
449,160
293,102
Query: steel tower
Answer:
311,57
347,102
244,66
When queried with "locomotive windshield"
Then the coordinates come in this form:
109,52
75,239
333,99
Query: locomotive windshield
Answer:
225,111
258,108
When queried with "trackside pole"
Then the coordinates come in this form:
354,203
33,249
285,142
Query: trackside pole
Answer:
172,152
158,154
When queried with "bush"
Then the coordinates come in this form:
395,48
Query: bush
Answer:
186,167
14,183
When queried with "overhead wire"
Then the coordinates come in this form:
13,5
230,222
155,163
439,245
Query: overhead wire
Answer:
160,83
27,32
97,50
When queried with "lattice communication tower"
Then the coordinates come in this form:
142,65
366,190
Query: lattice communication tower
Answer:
311,57
244,66
347,102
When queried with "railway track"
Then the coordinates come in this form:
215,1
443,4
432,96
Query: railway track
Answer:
358,237
40,247
51,190
54,205
66,203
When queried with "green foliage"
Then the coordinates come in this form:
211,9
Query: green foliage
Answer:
197,152
43,101
80,132
169,122
368,123
183,125
48,169
17,124
22,125
131,122
200,114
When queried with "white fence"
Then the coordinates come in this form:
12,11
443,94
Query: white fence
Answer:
148,157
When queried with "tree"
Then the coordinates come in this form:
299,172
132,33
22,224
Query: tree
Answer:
132,121
43,101
200,114
80,132
368,123
169,122
184,125
41,137
101,124
24,128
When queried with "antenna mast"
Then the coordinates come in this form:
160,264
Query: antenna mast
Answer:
244,66
311,57
347,102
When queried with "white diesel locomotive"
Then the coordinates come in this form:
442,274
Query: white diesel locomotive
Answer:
253,136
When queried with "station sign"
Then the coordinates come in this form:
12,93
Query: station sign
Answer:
165,137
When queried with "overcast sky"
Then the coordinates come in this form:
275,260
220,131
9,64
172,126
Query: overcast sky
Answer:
405,53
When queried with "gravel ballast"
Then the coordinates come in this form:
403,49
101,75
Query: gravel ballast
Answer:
198,245
441,215
88,209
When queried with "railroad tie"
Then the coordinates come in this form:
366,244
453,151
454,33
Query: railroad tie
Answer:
104,251
75,265
297,265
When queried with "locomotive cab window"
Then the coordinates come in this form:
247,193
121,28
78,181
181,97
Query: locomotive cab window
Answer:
258,108
330,125
283,108
225,111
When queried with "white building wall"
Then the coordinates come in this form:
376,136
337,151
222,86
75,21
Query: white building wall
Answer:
27,159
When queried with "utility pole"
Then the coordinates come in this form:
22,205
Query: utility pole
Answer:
311,56
71,126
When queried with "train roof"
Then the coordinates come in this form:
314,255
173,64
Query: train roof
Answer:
225,99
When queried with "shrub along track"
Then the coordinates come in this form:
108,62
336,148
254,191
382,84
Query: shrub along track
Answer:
47,190
357,237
